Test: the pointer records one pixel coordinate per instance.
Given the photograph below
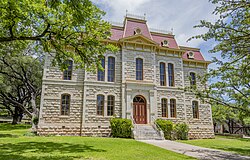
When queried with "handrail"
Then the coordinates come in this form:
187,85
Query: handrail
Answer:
133,120
158,127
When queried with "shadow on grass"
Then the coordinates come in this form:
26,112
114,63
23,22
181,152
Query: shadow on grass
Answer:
8,136
9,127
242,151
14,151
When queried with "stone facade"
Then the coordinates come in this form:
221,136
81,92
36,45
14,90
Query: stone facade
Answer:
84,87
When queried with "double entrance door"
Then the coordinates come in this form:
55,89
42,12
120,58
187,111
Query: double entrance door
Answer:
140,110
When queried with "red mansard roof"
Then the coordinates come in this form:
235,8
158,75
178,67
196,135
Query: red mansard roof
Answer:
159,39
197,55
131,24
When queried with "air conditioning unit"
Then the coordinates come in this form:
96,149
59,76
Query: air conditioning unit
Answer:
190,55
164,43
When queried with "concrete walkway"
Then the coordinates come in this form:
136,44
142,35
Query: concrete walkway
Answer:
195,151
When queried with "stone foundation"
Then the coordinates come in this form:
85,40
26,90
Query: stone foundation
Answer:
74,131
201,133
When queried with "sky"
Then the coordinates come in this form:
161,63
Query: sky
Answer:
181,15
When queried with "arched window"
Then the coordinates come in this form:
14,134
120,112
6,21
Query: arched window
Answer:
100,105
65,104
111,69
67,74
111,105
170,74
192,79
195,109
173,108
101,73
162,74
139,69
164,107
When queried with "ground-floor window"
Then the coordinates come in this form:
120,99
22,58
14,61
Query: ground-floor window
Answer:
195,109
100,104
65,104
173,108
111,105
164,107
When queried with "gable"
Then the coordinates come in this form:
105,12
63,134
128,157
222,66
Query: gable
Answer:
139,38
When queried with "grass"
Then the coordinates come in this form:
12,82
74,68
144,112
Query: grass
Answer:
226,143
15,146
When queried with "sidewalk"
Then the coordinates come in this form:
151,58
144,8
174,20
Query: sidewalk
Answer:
195,151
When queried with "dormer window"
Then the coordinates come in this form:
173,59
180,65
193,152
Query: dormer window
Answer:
190,55
137,31
164,43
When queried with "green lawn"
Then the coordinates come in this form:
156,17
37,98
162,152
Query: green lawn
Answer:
231,144
15,146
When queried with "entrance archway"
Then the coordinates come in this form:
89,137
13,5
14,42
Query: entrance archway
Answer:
140,110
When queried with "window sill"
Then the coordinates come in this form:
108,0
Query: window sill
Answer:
168,118
64,116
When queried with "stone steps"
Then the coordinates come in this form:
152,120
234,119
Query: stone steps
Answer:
146,132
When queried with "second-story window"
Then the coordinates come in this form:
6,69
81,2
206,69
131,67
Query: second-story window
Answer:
192,79
170,74
139,69
101,73
111,69
162,74
67,74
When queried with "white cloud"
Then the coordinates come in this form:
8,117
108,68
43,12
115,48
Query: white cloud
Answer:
181,15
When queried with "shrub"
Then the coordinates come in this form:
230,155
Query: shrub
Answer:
166,126
35,120
180,131
121,127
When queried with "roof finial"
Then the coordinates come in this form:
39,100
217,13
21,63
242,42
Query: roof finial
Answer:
172,30
144,16
126,12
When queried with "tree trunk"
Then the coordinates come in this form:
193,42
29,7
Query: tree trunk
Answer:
15,116
20,116
34,113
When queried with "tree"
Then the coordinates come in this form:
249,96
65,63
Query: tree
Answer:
231,32
69,29
65,29
20,80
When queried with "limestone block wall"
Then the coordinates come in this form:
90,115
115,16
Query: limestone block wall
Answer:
50,112
130,64
91,118
200,72
54,72
90,76
50,119
178,69
180,106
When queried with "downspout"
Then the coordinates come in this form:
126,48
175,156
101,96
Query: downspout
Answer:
81,117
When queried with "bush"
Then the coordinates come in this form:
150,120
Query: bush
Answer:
166,126
121,127
180,131
35,120
173,132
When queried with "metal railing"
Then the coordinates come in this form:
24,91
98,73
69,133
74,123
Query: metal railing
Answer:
160,31
134,129
157,128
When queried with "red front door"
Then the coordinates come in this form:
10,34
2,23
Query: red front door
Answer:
139,110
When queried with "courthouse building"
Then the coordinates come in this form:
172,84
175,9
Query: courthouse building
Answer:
143,81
